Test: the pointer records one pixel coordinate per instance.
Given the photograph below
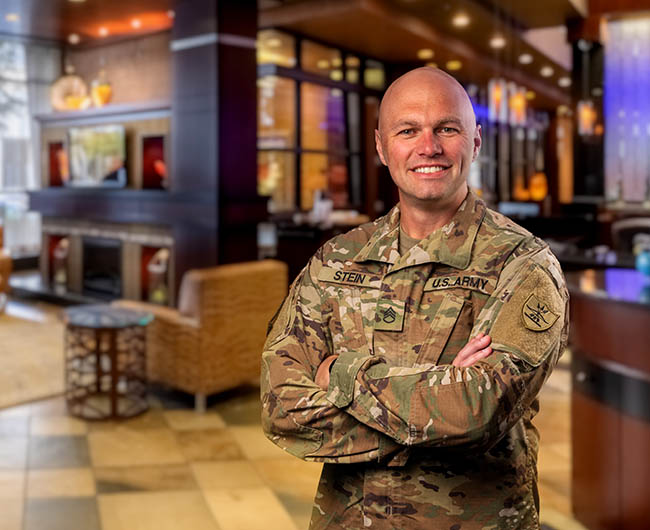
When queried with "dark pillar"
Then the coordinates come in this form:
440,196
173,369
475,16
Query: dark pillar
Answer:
214,155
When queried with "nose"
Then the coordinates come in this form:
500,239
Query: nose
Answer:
428,144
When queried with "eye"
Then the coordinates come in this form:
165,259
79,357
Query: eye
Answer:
406,132
448,130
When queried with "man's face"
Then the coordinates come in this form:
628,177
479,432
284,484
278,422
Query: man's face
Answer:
428,138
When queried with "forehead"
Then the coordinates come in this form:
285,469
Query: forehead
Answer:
426,98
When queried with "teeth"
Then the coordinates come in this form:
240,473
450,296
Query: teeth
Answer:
430,169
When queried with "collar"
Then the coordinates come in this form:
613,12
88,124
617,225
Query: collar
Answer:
450,244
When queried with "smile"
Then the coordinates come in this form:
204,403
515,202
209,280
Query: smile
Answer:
429,169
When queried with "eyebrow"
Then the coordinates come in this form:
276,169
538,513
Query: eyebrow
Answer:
414,123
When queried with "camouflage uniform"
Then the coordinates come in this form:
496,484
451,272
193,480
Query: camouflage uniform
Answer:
425,444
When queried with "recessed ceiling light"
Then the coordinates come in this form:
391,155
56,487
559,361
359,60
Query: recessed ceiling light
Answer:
530,95
497,42
525,58
546,71
73,38
12,17
460,20
454,65
76,1
103,31
352,62
564,82
135,23
425,54
431,64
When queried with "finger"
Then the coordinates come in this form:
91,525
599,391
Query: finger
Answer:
476,357
473,346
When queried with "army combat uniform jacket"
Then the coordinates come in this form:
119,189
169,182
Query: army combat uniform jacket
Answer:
408,440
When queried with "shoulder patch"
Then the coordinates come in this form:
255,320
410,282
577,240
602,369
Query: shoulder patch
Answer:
528,322
537,315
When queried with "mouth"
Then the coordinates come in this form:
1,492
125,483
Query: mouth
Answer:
430,169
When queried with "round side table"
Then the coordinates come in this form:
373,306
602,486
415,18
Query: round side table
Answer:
105,362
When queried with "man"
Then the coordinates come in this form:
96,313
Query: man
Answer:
410,351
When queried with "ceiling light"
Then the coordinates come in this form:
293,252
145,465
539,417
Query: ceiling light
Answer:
431,64
12,17
530,95
135,23
454,65
525,58
564,82
460,20
497,42
171,13
73,38
546,71
103,31
337,62
323,64
425,54
76,1
352,62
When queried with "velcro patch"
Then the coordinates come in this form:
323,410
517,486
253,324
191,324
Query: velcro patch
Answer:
389,315
537,315
475,283
348,277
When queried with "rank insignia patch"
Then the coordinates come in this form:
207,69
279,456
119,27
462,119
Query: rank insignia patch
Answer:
537,315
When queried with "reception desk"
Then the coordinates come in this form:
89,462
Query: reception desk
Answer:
610,403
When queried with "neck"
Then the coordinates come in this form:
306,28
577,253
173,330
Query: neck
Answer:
419,218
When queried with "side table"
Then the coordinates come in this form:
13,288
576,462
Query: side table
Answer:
105,361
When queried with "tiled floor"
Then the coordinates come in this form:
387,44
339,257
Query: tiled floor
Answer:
173,469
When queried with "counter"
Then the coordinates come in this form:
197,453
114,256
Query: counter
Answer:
610,400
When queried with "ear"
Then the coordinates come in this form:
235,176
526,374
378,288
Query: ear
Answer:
478,140
379,148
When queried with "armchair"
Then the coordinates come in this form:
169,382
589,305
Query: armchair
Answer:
213,341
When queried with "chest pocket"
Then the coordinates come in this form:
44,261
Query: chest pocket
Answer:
445,308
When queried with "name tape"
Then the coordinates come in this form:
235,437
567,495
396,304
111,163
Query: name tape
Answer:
344,277
475,283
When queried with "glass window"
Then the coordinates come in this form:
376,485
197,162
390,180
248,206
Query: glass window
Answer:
352,65
373,75
276,179
321,60
276,113
328,173
321,118
275,47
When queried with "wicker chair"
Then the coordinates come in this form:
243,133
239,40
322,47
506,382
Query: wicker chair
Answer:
213,342
5,272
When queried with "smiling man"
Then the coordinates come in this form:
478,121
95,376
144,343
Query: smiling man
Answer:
409,353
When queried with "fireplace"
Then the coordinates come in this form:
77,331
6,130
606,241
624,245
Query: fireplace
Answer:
102,267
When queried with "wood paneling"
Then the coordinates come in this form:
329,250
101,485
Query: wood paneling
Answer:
596,480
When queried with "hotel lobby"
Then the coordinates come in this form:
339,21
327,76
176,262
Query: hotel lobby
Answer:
167,169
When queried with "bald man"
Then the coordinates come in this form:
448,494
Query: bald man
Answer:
410,351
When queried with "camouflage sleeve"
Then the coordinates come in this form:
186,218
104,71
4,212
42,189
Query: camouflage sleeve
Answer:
442,405
296,416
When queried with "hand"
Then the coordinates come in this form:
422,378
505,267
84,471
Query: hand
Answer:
475,350
323,372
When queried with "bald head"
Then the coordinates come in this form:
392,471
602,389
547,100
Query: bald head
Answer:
427,79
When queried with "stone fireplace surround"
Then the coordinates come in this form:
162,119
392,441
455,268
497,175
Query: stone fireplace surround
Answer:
132,238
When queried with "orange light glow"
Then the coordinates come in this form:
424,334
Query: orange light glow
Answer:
149,22
586,117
